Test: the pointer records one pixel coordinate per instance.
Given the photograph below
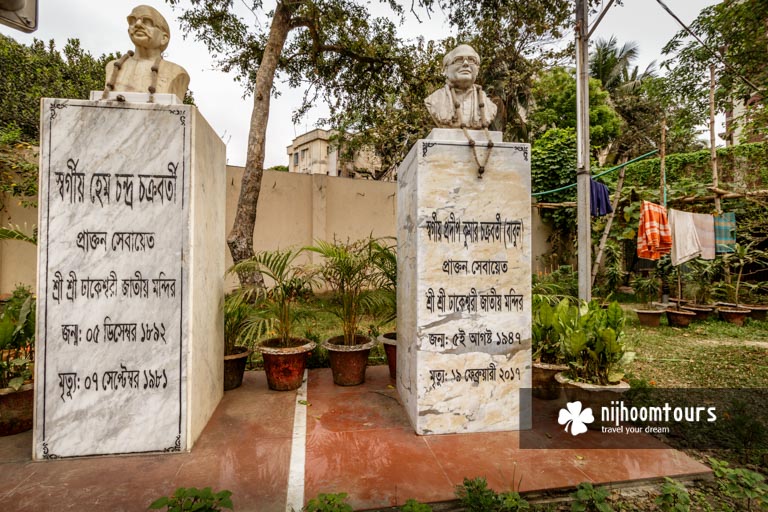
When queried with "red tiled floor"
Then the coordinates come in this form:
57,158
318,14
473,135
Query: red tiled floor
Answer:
359,441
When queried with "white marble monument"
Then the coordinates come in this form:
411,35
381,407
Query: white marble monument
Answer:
129,354
464,284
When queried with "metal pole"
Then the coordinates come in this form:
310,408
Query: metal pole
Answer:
583,218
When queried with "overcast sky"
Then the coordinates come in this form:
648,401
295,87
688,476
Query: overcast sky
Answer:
101,27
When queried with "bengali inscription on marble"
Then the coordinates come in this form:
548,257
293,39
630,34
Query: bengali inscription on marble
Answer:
111,287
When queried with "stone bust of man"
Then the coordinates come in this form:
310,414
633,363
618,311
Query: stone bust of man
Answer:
461,103
144,70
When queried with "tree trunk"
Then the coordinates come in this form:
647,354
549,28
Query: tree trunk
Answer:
240,239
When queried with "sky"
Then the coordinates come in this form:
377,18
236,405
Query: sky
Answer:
101,27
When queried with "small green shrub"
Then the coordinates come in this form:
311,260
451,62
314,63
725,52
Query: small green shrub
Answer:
475,495
587,498
414,506
741,484
329,503
193,499
674,497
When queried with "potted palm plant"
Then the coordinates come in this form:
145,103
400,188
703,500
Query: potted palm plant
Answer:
17,334
595,354
236,353
385,261
735,313
279,308
648,289
349,271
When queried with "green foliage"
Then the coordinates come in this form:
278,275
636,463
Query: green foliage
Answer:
193,499
349,271
385,261
329,503
278,306
414,506
674,497
741,484
16,233
587,498
475,495
549,328
593,345
646,287
42,71
17,335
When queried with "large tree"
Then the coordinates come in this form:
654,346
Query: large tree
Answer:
735,37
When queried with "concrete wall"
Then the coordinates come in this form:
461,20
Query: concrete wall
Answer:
294,210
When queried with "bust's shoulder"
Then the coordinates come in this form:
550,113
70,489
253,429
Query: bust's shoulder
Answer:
438,96
172,68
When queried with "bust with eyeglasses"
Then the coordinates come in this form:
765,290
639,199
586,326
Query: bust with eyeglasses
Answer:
144,69
461,103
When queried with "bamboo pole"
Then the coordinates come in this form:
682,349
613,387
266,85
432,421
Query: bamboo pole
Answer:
604,238
712,149
662,161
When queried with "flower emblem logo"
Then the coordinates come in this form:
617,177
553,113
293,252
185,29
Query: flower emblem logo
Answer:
575,417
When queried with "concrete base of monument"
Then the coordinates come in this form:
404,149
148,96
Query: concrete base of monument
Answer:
464,284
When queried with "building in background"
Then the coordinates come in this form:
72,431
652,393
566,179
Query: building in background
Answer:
315,153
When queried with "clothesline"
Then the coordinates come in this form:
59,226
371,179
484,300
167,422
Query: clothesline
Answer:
566,187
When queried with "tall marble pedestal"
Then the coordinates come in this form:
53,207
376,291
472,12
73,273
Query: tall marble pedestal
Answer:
464,285
129,352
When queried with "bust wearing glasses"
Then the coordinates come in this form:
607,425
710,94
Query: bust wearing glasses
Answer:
144,70
461,103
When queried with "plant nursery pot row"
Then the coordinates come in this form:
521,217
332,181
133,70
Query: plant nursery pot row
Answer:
348,362
680,318
735,315
702,312
284,366
649,317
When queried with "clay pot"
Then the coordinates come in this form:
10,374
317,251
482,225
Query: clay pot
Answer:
284,366
348,362
734,315
543,382
234,368
680,318
592,395
389,340
757,312
649,317
702,312
16,409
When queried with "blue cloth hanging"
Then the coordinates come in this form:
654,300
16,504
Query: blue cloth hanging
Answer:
600,199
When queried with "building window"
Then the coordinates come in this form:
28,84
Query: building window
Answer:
303,154
296,159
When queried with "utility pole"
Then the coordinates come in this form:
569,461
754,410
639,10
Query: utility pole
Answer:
583,218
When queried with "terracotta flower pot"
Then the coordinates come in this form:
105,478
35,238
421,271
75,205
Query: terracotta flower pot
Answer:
389,340
16,409
758,312
545,387
649,317
284,366
348,362
734,315
592,395
234,368
702,312
680,318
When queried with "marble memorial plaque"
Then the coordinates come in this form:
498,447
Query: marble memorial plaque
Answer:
113,279
464,285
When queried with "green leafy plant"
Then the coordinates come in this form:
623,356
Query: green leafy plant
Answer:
674,497
193,499
414,506
329,503
385,261
475,495
593,347
741,484
17,335
647,288
277,307
349,271
588,498
742,256
550,326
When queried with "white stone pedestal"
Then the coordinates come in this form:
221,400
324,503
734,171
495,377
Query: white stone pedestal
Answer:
129,353
464,285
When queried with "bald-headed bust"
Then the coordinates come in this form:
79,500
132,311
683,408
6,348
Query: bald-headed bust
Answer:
461,103
144,69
